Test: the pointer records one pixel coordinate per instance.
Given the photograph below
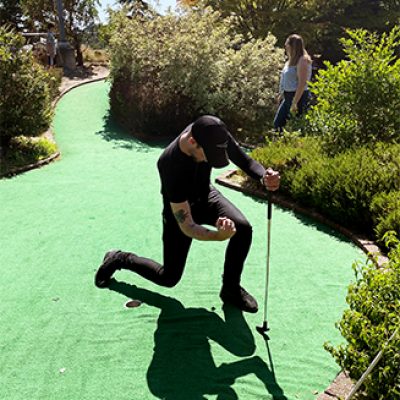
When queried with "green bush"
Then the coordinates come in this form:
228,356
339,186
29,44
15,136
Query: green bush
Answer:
341,187
372,317
357,100
54,76
385,210
288,155
167,70
25,107
25,151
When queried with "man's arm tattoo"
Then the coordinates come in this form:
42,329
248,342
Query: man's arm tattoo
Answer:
181,216
193,225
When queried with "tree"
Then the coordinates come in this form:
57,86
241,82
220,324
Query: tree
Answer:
138,8
79,16
10,13
320,22
333,18
187,3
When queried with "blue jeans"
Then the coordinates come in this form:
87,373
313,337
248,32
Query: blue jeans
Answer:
283,113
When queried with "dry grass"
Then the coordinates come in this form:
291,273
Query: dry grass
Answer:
95,56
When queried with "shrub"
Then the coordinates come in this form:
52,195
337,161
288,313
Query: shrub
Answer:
25,151
372,317
54,77
288,155
342,187
357,100
385,210
25,107
168,70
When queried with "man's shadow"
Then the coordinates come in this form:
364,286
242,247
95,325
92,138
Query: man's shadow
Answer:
183,367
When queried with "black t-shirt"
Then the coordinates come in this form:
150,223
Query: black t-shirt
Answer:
184,179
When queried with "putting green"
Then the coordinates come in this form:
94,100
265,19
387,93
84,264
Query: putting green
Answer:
62,338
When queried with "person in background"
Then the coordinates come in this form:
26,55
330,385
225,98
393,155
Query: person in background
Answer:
51,44
293,90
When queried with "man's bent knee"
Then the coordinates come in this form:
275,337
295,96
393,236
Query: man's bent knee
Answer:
170,281
243,228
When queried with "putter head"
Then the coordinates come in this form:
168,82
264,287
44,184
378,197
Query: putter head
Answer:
262,330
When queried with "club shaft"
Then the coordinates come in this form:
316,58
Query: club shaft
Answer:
269,215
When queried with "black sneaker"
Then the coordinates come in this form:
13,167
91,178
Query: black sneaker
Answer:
106,269
240,298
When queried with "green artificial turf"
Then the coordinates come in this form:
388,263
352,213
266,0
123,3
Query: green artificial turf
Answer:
62,338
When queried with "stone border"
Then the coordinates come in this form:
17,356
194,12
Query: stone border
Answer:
29,167
342,384
71,84
367,245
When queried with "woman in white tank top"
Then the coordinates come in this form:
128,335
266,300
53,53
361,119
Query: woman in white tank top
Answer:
293,89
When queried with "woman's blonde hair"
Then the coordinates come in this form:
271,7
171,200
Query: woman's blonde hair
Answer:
297,49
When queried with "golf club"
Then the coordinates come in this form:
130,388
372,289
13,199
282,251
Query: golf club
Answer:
370,368
264,327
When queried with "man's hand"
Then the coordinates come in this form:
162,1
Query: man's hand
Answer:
271,180
226,228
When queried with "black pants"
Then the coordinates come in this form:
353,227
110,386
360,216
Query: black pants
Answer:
177,244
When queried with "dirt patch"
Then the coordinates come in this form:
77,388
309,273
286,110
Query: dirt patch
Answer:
82,75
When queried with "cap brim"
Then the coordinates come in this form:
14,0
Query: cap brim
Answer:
217,157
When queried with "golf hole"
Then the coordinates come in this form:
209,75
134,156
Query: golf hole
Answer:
133,303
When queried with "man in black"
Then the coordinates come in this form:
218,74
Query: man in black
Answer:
191,201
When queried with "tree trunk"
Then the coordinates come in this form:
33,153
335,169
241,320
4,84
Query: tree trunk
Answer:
79,55
4,145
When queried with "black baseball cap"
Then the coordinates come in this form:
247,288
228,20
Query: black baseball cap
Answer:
212,135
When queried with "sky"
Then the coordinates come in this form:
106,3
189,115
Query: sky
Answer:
162,6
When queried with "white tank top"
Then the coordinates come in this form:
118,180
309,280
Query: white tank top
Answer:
289,79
